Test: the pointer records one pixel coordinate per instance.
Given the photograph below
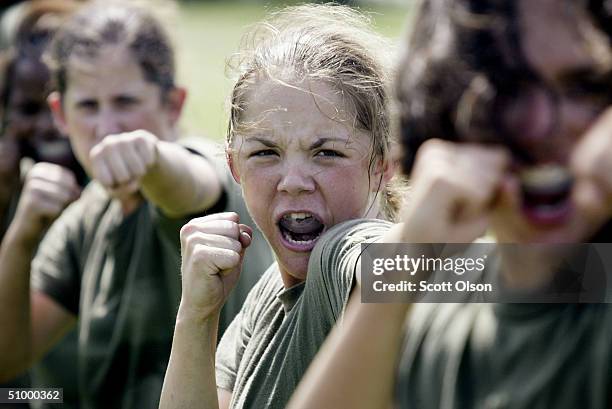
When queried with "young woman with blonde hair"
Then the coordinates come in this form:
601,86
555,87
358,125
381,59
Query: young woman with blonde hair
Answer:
309,143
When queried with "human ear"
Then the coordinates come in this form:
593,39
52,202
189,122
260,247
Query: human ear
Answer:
54,100
229,156
175,101
383,172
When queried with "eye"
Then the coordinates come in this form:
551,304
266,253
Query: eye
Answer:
585,84
87,105
329,153
262,153
126,101
588,90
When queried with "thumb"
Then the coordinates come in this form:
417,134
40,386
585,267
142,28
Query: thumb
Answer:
246,236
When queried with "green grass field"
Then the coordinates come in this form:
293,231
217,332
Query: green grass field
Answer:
207,34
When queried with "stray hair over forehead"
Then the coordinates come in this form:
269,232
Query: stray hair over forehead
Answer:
329,43
112,23
463,54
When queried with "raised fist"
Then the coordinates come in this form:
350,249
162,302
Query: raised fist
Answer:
212,249
48,189
119,161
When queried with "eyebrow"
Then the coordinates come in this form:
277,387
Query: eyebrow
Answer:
317,144
263,141
583,74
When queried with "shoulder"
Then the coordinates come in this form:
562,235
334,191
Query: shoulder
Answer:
334,263
203,147
345,239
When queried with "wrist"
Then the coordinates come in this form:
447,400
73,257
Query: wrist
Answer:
190,316
157,147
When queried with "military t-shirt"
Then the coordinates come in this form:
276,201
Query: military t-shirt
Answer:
268,347
496,356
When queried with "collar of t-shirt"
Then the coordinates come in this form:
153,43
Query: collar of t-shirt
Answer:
290,296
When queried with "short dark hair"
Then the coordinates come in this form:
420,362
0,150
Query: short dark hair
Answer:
100,24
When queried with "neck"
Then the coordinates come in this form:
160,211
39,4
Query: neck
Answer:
130,203
289,280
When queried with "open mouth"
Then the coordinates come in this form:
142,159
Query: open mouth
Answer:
300,230
546,193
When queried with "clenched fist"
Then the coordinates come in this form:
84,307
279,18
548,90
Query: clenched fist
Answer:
212,249
453,186
119,161
48,189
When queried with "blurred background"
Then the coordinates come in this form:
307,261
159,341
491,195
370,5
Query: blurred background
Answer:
208,32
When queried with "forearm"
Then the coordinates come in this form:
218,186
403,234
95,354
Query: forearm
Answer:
181,183
190,378
16,254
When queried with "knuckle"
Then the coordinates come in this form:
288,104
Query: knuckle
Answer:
234,258
236,246
199,254
233,227
433,144
97,151
186,231
439,177
192,241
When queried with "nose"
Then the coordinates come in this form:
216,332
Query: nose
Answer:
107,122
297,178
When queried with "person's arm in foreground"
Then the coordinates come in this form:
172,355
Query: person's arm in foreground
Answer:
452,188
31,323
174,179
212,249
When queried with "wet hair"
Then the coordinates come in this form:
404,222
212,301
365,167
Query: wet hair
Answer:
113,23
464,61
328,43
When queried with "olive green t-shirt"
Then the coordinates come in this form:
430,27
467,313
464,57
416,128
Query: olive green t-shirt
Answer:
268,347
519,356
121,276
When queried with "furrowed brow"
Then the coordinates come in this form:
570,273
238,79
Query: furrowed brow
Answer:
322,141
261,140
